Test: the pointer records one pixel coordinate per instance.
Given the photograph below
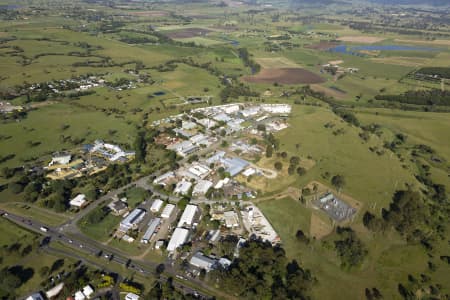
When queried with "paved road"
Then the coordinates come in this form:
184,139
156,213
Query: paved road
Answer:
93,248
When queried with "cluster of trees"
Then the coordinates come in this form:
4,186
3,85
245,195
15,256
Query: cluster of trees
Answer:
442,72
418,219
423,97
248,61
166,290
263,272
13,278
347,116
234,91
349,247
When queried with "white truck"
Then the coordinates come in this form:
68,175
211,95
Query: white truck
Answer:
43,229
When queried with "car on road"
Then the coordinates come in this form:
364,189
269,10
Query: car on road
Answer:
70,241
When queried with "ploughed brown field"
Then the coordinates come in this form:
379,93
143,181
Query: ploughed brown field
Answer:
322,45
284,76
188,33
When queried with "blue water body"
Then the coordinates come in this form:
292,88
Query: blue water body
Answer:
10,7
354,50
232,42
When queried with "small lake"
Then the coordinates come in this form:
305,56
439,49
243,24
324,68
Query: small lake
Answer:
10,7
354,50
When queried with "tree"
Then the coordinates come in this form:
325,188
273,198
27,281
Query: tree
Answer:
278,166
338,181
269,151
301,171
140,146
301,237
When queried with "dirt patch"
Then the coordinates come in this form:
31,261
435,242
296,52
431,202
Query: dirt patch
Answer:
328,91
188,33
319,228
322,45
276,62
149,13
284,76
364,39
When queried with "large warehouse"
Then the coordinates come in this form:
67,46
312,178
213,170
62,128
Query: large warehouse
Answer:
179,237
187,218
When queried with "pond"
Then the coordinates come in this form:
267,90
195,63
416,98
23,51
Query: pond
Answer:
354,50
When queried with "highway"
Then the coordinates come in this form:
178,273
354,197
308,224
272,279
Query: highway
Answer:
93,249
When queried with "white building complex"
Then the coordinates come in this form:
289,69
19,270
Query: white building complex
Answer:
179,237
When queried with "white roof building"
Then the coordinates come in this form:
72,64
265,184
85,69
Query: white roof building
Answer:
231,219
187,218
79,201
231,108
88,291
161,179
187,125
276,108
222,117
249,172
182,187
152,229
132,219
221,183
179,237
35,296
207,123
131,296
201,261
79,295
167,211
199,170
60,159
156,205
202,187
200,139
250,112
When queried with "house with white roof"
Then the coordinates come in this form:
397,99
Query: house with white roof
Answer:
79,201
202,187
182,187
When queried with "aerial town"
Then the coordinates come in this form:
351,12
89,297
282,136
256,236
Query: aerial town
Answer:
235,149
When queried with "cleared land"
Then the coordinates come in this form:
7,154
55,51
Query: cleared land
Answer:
284,76
276,62
329,91
322,45
188,33
364,39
